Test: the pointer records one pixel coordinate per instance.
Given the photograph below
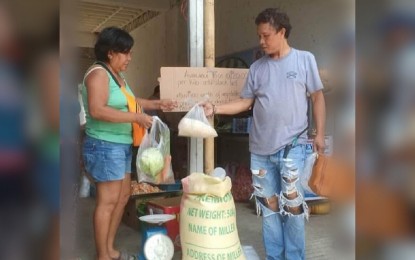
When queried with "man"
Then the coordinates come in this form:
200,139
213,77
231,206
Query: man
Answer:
278,84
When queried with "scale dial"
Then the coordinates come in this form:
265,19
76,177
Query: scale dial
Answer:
159,247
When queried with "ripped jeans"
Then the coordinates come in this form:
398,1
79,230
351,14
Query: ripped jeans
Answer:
279,196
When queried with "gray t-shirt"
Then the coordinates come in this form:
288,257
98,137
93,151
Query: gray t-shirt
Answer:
280,88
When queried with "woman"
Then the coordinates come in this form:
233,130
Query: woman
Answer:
107,149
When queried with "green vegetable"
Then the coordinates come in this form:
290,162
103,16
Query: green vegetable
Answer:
151,161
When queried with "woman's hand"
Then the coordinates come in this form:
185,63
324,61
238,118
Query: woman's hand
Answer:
167,104
144,120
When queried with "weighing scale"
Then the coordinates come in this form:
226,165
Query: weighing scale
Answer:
155,243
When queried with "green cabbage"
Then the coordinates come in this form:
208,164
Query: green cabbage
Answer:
151,161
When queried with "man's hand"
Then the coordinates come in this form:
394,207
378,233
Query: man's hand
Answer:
319,144
234,107
167,104
208,108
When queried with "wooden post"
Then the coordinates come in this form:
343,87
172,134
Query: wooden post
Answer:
209,31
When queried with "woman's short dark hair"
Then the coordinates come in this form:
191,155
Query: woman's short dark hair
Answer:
276,18
112,39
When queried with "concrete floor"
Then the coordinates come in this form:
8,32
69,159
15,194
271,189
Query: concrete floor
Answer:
319,241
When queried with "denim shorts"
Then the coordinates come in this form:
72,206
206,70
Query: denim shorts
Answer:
106,161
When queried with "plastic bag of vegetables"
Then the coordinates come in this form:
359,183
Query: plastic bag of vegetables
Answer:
153,156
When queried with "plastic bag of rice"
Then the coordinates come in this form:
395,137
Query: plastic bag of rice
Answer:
195,124
208,219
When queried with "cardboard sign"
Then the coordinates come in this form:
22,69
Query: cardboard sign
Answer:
189,85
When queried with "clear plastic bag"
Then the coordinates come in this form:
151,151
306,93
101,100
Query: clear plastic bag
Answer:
308,169
153,156
85,187
195,124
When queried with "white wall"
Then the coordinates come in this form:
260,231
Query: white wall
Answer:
315,24
162,41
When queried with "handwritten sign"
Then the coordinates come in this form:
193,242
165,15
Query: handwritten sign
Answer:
189,85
